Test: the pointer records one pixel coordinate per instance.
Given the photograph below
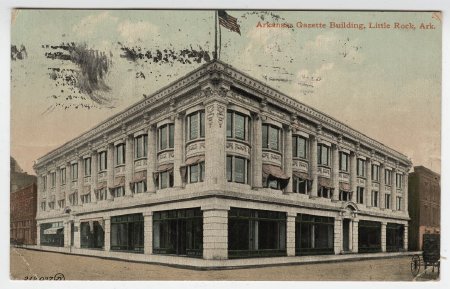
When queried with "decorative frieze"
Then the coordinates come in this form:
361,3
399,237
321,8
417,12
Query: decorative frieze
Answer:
195,148
271,157
324,172
166,156
141,163
361,182
238,148
119,170
299,165
344,177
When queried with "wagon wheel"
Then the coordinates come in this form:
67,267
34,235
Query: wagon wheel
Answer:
415,265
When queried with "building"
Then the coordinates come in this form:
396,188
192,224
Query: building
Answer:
424,192
18,178
23,207
219,166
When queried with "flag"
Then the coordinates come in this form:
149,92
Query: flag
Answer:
228,21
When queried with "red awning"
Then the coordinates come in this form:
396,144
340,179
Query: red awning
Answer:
139,176
344,187
275,172
86,190
163,168
324,182
118,182
301,175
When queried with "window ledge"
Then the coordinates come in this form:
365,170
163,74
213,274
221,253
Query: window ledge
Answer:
242,141
301,159
195,140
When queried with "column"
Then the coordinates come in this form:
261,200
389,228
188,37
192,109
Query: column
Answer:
178,150
76,235
353,176
108,233
151,158
215,131
38,234
148,233
215,232
290,234
355,232
68,183
129,160
57,186
383,236
288,157
94,175
337,235
405,237
368,188
313,165
394,190
335,172
382,190
110,170
256,160
67,229
405,191
80,180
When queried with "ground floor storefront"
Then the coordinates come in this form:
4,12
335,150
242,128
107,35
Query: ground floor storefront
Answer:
228,230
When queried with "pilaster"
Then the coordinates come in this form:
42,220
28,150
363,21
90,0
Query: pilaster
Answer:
405,192
368,188
129,148
108,233
67,233
394,190
290,234
76,235
353,176
257,152
335,172
382,188
151,158
215,233
383,236
80,180
355,229
148,233
178,150
287,163
337,235
110,170
313,149
405,237
94,175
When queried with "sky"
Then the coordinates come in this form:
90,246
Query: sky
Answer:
383,82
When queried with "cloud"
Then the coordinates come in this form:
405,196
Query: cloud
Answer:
89,25
133,31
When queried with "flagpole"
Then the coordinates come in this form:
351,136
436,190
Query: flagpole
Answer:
215,34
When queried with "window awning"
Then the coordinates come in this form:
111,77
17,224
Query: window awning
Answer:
301,175
189,162
101,185
275,172
344,187
324,182
118,182
163,168
140,176
86,190
52,231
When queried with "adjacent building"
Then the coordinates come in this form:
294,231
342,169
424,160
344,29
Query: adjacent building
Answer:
424,205
220,166
18,178
23,207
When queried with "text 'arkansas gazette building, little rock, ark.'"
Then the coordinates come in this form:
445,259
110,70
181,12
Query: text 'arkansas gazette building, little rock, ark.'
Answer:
218,167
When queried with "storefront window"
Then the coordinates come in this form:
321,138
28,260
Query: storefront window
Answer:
394,237
369,236
127,233
52,234
178,232
256,233
92,234
314,235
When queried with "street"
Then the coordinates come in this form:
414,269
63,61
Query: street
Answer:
30,264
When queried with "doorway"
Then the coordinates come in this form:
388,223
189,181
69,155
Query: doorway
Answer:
346,235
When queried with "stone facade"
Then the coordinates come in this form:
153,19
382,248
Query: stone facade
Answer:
249,167
23,215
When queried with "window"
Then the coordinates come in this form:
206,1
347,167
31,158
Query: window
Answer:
387,177
102,161
374,198
85,199
369,236
196,125
178,232
53,179
299,147
343,161
344,195
44,183
360,195
52,234
375,173
87,167
300,185
399,181
394,237
140,187
314,235
237,125
324,192
61,203
92,235
399,203
62,176
51,205
100,194
42,206
165,134
270,137
119,154
197,172
323,155
361,168
127,233
237,169
256,233
140,146
118,192
387,201
165,180
73,199
74,171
